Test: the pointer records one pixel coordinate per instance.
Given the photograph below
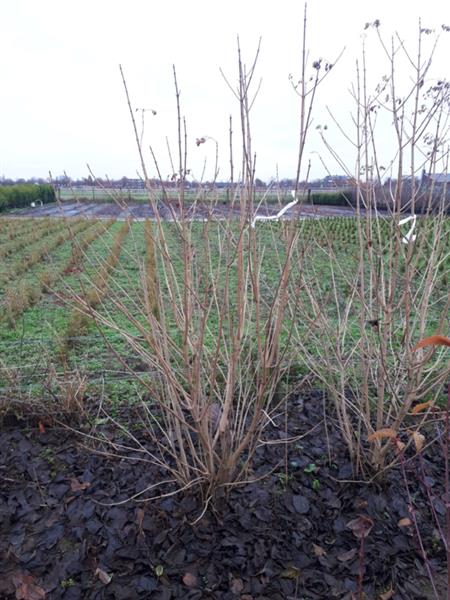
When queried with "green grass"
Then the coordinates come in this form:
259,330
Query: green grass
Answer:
30,350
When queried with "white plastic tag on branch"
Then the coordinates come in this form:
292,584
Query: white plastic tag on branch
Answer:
278,215
409,237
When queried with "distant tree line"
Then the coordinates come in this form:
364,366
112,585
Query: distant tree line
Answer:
329,182
22,195
337,190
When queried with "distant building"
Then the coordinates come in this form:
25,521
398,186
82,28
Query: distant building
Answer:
434,192
436,179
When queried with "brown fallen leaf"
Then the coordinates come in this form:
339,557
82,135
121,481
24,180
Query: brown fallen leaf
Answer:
346,556
26,588
104,577
433,340
420,407
189,580
319,551
399,445
419,440
381,434
41,427
405,522
361,526
78,486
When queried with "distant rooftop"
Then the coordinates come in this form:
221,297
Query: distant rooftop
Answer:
439,177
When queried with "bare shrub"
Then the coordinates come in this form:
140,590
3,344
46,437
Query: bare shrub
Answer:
214,339
390,292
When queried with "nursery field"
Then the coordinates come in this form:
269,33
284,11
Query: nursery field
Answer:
87,507
44,262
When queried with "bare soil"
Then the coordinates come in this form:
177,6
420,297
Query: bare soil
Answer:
169,210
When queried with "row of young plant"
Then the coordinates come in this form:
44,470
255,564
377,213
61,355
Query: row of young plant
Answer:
21,295
333,288
29,236
340,237
318,248
346,228
23,195
58,348
39,264
12,228
30,367
91,294
79,245
38,251
82,361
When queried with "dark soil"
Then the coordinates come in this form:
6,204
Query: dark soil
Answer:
167,211
277,538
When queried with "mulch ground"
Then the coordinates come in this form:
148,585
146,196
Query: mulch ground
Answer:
276,538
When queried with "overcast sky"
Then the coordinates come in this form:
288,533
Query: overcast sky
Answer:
62,103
